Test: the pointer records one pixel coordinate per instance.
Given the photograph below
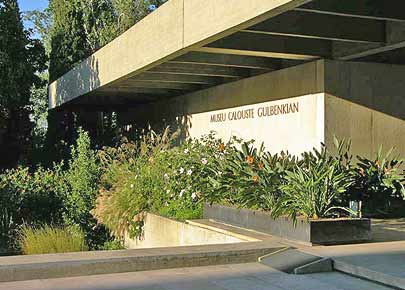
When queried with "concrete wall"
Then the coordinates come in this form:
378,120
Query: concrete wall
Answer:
293,131
361,101
164,232
366,103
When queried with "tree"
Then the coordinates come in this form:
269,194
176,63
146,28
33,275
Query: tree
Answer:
80,27
20,58
42,23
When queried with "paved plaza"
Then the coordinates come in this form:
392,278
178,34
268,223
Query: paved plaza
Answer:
251,276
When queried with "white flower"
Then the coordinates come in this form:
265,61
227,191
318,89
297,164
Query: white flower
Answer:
166,176
168,191
132,186
204,161
186,151
193,195
181,170
181,193
189,172
219,173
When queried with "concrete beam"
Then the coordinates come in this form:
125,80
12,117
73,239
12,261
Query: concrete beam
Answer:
373,9
227,60
114,99
243,43
395,39
201,70
321,26
178,78
135,91
130,84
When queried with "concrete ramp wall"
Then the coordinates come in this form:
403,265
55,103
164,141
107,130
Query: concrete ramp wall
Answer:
164,232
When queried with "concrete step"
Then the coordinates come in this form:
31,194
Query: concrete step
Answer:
294,261
19,268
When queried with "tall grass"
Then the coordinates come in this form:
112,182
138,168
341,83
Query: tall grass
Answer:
47,240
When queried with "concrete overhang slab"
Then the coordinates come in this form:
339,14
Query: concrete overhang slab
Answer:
179,26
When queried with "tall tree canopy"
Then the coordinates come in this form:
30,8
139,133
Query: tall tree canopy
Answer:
80,27
20,59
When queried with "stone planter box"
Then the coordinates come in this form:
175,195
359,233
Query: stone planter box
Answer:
314,232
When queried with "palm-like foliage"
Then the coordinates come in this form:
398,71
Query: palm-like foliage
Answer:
378,181
313,187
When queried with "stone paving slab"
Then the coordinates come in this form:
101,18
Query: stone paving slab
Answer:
251,276
388,230
383,262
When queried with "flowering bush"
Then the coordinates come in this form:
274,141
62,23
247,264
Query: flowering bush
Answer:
131,183
249,177
156,176
190,165
29,197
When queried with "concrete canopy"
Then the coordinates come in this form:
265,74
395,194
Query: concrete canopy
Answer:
190,45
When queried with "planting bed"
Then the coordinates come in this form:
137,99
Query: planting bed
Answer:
321,232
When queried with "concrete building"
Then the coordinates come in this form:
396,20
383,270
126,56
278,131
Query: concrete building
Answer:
290,73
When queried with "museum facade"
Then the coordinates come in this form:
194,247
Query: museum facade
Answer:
290,73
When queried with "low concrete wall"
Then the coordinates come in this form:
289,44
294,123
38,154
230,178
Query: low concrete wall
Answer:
49,266
259,221
323,232
164,232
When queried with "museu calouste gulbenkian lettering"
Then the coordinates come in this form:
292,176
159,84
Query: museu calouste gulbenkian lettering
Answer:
289,73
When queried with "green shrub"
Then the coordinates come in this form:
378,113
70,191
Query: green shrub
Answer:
83,177
249,177
113,245
188,168
47,240
379,183
314,187
152,175
29,197
132,182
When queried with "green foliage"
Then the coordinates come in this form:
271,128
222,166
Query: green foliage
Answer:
49,240
68,38
32,198
83,177
188,167
151,175
42,23
133,178
80,27
113,245
249,177
313,187
20,58
378,182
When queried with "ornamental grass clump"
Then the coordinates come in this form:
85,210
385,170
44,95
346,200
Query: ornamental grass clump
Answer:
48,240
133,177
